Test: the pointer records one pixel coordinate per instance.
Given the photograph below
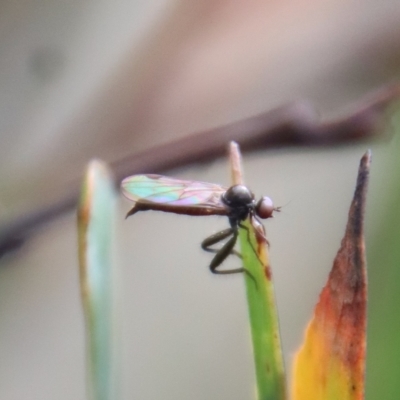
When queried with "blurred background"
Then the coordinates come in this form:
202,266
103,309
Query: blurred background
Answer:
108,79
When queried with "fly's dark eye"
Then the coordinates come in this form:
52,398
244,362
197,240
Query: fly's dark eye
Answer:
265,207
238,195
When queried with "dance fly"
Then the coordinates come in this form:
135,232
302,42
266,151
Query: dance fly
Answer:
161,193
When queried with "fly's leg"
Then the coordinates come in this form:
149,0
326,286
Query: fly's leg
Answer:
262,234
216,238
224,252
251,244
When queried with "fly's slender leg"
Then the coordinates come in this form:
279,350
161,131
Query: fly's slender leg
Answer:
224,252
261,225
249,241
216,238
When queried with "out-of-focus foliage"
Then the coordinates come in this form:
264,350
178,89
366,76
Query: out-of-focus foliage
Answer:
383,257
96,219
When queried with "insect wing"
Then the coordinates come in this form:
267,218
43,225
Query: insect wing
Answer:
147,189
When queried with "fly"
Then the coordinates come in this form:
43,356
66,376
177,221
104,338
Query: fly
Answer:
161,193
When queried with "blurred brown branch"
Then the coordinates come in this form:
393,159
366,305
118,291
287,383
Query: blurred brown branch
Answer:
295,124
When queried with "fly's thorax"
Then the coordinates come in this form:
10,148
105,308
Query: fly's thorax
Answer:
238,214
238,196
239,201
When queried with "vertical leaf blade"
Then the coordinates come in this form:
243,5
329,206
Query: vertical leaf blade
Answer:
96,216
263,315
330,364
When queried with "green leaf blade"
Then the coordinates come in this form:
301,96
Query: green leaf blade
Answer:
263,316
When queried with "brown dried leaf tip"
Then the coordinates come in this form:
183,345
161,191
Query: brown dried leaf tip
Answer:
347,284
331,362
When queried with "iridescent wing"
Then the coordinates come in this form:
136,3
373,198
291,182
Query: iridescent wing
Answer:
157,192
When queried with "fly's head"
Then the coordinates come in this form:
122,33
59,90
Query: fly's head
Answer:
265,208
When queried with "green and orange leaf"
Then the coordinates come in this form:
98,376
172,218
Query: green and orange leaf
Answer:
330,365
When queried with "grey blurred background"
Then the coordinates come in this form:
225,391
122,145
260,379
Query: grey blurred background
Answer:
106,79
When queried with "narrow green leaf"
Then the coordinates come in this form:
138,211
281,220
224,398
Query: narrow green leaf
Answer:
263,314
95,227
263,317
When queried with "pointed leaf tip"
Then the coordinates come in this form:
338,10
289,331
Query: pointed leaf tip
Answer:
331,362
